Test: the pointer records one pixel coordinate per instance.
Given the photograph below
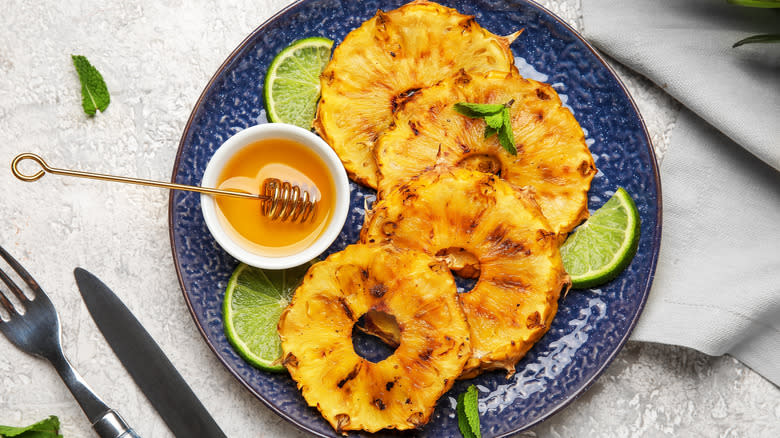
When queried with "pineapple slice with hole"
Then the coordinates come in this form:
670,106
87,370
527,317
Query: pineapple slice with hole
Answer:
521,274
388,59
351,392
552,156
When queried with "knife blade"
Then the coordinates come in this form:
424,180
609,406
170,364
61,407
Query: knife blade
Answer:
146,363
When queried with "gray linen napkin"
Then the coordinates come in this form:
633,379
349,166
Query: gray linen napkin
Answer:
717,285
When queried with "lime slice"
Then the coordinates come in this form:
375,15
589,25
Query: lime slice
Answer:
292,83
254,300
604,245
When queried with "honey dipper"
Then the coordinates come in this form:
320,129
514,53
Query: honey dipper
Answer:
279,199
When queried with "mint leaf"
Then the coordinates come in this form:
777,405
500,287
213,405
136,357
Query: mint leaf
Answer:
756,3
94,93
505,135
463,421
764,38
468,413
495,121
496,118
477,110
471,409
47,428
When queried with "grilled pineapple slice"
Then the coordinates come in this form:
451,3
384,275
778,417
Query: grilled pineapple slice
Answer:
447,210
384,62
552,156
400,391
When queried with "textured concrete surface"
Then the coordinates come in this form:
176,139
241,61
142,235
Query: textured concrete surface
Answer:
156,57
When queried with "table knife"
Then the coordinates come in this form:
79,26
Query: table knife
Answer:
146,363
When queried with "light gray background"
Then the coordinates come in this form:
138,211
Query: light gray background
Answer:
156,57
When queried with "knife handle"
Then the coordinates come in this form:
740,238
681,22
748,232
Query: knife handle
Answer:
112,425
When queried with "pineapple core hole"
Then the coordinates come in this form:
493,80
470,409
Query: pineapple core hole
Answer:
463,264
482,163
460,261
375,336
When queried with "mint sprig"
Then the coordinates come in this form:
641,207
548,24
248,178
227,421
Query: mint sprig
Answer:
756,3
94,93
468,413
48,428
763,38
496,118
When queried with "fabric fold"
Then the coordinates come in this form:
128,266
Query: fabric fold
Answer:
717,284
685,47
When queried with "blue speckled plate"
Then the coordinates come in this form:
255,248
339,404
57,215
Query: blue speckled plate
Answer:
591,326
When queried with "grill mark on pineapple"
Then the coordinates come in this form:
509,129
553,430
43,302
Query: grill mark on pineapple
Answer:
475,221
510,283
586,168
409,196
378,290
329,76
478,311
509,248
468,25
382,19
487,184
544,235
533,321
462,78
346,308
388,228
426,354
415,127
549,175
379,404
541,94
342,420
290,360
417,419
352,374
497,235
398,101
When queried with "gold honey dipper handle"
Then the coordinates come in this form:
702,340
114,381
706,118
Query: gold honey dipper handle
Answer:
280,200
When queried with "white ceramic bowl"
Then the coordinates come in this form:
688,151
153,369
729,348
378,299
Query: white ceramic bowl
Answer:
262,132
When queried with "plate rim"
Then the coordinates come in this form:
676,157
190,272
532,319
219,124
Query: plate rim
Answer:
655,243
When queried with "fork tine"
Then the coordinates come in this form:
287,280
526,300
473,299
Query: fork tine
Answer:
14,288
22,273
7,304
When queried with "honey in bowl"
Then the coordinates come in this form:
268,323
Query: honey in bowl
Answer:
286,160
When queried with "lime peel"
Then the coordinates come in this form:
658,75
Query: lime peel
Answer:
254,300
292,82
601,248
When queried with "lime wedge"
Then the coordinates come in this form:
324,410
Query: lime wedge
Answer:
599,249
292,83
254,300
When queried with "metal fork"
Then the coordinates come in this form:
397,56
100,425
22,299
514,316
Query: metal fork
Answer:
37,332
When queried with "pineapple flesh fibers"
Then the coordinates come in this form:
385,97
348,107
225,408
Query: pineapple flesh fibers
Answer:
520,270
399,392
552,157
388,59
